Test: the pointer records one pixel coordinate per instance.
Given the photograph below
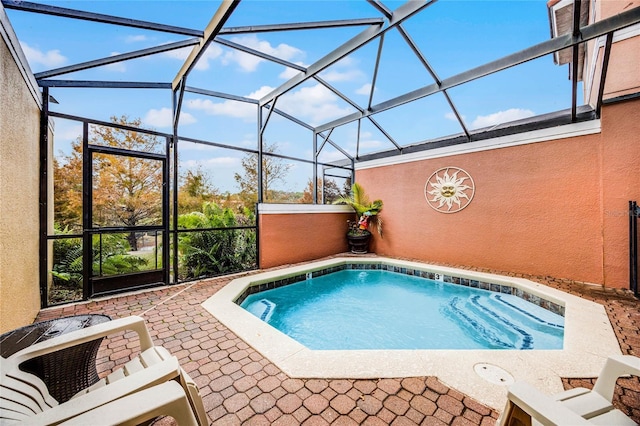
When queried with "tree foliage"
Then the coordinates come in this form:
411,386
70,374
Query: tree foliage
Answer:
274,170
331,192
67,188
195,190
213,252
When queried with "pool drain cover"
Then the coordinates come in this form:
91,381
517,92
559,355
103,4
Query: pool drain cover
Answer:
493,374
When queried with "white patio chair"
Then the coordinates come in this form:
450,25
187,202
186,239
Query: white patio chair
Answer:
167,399
24,397
579,406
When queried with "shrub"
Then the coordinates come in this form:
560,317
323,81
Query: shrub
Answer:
210,251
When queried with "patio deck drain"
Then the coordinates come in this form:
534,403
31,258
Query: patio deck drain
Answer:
493,374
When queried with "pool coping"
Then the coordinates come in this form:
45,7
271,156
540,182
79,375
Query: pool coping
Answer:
589,340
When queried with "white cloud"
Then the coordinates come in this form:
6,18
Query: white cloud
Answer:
289,73
49,59
213,52
164,118
501,117
249,62
344,70
228,162
135,38
181,54
246,61
192,146
329,156
316,103
67,132
247,141
336,75
262,91
117,66
243,110
367,141
364,90
227,108
370,143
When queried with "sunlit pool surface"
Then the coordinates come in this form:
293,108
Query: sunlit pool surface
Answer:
376,309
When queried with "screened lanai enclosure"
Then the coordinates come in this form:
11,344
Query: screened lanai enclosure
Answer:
165,123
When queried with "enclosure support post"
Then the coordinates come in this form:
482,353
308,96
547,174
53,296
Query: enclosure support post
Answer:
87,208
634,213
314,187
43,197
260,150
178,95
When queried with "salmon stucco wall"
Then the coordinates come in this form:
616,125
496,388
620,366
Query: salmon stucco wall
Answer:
620,184
19,185
555,208
312,232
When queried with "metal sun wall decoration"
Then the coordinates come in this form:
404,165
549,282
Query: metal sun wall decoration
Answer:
449,187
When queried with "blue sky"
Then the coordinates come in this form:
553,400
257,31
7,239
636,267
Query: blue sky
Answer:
453,35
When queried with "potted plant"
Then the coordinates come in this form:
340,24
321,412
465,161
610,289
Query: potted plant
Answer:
367,214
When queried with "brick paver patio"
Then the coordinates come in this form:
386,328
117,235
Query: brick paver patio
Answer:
240,386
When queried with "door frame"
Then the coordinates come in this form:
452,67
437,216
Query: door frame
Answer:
95,286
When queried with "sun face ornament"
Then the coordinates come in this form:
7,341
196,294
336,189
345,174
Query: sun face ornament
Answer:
449,190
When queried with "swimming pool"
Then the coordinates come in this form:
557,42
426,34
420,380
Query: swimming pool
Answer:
479,373
381,309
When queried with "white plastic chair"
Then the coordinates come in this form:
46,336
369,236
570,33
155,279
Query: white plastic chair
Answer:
167,399
579,406
24,397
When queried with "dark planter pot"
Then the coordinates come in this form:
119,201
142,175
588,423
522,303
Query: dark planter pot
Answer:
359,244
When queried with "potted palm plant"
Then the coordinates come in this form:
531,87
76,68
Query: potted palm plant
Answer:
366,215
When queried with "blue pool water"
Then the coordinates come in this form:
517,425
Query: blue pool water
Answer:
373,309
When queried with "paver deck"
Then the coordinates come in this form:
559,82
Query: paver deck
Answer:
240,386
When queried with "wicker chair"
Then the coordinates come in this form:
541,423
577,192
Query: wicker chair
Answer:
25,398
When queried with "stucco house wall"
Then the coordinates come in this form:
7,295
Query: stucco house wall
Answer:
623,76
19,184
552,208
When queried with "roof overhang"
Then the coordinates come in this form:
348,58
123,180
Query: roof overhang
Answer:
561,22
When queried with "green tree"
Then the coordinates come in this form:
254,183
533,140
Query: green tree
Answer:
274,170
67,189
195,190
331,192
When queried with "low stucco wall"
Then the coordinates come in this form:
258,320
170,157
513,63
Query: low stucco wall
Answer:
291,233
19,172
554,208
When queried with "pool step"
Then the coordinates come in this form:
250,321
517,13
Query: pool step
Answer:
486,324
476,326
262,308
528,314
